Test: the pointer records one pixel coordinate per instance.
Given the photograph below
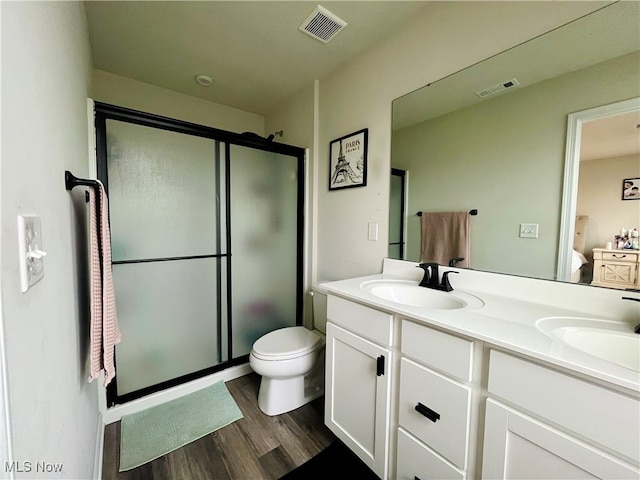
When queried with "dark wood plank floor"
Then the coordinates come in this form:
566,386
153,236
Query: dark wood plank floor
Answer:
253,448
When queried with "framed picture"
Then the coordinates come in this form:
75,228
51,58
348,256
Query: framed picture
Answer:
631,189
348,161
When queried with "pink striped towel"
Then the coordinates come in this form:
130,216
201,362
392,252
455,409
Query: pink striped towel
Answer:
105,332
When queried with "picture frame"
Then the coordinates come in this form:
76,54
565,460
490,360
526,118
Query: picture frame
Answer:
631,189
348,161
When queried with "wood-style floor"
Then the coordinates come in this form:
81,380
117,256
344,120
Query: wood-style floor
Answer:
253,448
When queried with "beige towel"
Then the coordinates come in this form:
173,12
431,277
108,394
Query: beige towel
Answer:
445,235
105,333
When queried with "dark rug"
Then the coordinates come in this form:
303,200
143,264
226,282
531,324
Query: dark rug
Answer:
334,461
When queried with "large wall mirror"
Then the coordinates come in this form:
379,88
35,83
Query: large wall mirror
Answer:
494,137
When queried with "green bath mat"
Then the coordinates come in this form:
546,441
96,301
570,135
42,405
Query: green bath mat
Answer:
159,430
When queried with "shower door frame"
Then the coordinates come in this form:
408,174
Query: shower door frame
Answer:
221,139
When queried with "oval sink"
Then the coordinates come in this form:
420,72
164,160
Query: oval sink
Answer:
612,341
410,294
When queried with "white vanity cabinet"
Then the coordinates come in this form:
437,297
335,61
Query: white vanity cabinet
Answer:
435,404
581,430
416,400
358,380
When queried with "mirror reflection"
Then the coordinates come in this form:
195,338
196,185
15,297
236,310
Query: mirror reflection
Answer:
493,137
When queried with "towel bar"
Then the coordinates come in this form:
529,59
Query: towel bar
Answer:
71,181
471,212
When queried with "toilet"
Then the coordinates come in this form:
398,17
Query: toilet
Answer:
291,362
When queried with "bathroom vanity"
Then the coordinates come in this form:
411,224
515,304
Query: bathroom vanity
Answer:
541,380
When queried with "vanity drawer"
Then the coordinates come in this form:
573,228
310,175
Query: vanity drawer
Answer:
441,351
606,417
444,407
621,256
365,321
416,461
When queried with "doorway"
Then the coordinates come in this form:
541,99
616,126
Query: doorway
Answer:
586,144
397,201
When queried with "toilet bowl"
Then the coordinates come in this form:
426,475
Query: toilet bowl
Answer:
291,363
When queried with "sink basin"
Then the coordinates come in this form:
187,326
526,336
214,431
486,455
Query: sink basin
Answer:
409,293
612,341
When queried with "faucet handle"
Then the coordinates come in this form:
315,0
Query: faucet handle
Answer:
637,329
445,285
453,261
427,273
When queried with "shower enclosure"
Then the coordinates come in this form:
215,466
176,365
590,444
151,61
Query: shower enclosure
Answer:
206,237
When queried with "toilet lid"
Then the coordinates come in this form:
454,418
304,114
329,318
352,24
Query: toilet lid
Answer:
289,342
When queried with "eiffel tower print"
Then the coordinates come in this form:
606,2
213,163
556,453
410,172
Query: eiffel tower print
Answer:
343,174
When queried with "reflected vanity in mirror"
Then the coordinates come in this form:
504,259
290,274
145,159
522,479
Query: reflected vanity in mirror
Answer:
517,136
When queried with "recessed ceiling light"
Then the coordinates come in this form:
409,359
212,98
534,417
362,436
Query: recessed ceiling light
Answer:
204,80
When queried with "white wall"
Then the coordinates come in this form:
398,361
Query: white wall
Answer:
46,71
125,92
448,36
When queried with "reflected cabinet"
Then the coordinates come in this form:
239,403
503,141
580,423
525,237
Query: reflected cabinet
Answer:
616,268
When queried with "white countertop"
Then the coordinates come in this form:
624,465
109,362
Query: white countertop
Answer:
502,321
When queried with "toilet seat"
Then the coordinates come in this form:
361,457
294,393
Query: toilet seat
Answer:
286,343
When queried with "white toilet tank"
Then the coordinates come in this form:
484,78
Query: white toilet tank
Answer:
319,294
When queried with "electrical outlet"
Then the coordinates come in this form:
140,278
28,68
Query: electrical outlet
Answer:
31,253
528,230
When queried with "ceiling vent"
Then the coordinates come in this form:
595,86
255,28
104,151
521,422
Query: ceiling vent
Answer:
322,24
500,87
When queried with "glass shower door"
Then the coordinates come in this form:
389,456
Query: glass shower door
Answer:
168,218
264,211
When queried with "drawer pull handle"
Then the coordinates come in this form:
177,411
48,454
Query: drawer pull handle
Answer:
380,365
618,256
427,412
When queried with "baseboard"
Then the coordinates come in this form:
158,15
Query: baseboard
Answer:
114,414
97,461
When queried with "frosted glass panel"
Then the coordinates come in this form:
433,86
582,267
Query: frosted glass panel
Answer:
167,314
263,244
162,192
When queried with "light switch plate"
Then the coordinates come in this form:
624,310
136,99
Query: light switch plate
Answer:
528,230
372,233
31,253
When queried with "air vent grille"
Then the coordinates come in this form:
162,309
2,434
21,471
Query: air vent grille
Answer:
322,25
500,87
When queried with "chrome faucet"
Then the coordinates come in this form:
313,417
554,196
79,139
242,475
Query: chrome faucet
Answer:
637,329
431,276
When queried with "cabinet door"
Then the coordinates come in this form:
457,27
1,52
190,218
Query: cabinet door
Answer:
615,274
518,447
357,395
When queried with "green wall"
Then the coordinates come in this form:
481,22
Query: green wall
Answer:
505,157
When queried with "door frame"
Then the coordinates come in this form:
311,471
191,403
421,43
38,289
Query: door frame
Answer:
571,175
404,175
104,111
